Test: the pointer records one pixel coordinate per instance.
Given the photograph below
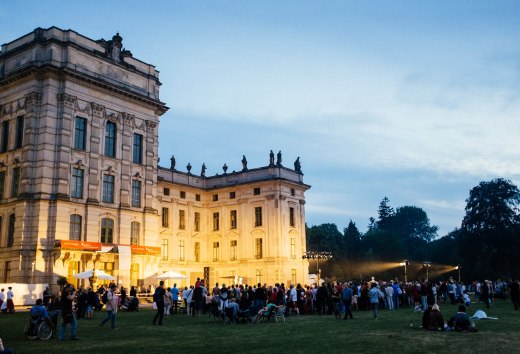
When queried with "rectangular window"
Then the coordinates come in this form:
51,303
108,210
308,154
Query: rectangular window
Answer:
77,183
7,272
214,197
197,252
75,227
291,217
80,134
256,191
232,195
216,225
183,195
5,136
233,219
15,187
197,197
258,248
258,216
138,149
107,230
293,248
197,222
134,233
181,250
166,191
110,139
1,231
10,230
182,221
2,183
18,141
233,250
165,217
259,276
216,251
293,192
293,276
136,193
108,188
164,249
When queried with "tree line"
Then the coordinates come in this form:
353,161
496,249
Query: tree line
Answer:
486,245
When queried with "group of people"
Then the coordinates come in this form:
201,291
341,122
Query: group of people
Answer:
6,300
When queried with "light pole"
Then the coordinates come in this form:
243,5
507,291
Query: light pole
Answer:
405,263
427,264
458,268
317,255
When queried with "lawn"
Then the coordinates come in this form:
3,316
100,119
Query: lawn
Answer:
391,333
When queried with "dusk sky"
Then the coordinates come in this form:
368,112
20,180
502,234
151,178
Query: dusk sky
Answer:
418,101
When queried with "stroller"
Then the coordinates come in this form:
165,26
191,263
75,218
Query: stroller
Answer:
131,304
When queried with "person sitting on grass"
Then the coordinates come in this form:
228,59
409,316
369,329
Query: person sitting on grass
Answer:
435,320
460,322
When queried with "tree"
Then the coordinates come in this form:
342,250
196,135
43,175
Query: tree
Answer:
412,222
492,206
385,213
352,238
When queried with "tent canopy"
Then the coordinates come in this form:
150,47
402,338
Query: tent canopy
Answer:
172,275
99,273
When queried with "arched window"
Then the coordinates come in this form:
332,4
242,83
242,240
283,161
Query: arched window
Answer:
107,230
75,227
134,233
110,139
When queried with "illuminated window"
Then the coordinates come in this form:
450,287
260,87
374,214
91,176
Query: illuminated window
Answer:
258,248
216,224
75,227
110,139
258,216
181,250
291,217
107,230
233,250
216,251
134,233
197,222
233,219
293,248
182,221
259,276
164,249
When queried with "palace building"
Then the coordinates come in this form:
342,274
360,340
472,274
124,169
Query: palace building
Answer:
81,188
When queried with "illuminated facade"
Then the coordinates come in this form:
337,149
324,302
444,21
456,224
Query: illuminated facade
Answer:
80,185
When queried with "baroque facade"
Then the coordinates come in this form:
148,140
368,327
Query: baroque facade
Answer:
81,188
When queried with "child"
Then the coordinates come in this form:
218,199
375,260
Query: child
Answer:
466,299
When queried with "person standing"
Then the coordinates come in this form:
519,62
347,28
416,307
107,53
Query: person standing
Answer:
346,297
375,294
514,292
112,305
67,314
175,298
3,304
10,303
158,298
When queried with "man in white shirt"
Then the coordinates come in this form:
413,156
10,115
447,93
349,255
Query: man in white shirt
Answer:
293,300
3,304
10,303
389,294
112,306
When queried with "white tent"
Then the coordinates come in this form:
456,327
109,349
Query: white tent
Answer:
172,275
99,274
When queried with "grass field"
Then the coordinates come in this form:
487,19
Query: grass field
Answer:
391,333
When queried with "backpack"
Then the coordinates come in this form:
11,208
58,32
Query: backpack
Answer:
104,298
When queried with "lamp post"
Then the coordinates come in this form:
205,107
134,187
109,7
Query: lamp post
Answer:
317,255
405,263
427,264
458,268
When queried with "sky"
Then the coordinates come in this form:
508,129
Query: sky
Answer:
417,101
